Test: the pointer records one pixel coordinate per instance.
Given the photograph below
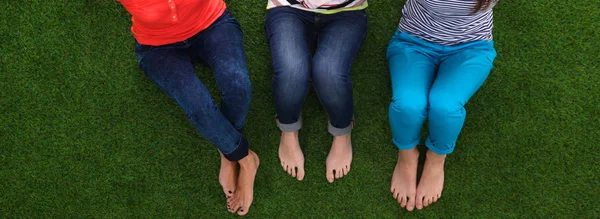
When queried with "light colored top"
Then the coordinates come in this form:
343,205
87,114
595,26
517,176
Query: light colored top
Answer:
321,6
447,22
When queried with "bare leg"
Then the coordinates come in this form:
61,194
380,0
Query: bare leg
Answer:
228,175
244,195
339,158
404,179
290,155
432,181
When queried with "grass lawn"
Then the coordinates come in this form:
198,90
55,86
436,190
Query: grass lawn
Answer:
84,134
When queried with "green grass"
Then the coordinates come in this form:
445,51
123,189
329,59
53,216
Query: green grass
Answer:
84,134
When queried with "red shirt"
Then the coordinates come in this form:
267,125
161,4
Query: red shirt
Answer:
160,22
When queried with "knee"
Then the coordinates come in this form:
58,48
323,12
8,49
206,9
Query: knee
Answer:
444,105
329,74
290,73
238,87
408,109
242,90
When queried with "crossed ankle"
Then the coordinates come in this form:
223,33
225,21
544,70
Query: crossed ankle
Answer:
248,161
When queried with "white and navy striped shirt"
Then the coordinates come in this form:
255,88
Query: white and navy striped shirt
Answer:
447,22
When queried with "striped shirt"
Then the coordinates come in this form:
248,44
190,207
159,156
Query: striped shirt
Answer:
321,6
447,22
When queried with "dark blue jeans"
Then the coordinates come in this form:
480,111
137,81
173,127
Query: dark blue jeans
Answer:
335,39
221,47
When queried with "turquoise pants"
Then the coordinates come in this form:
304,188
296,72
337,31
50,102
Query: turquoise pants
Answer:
433,81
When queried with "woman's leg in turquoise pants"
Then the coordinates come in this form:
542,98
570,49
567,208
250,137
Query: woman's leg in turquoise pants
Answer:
412,71
459,76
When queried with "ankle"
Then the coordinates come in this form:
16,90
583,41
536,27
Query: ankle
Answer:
224,161
433,157
410,156
248,161
344,137
293,135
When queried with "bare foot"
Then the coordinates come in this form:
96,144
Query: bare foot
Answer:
432,181
404,180
228,175
290,155
339,158
244,195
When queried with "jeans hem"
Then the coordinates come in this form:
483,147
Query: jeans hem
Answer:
436,150
293,127
240,152
339,131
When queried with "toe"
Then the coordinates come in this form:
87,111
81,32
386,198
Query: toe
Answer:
338,174
419,202
330,176
435,199
228,192
235,208
403,201
410,204
293,169
230,209
243,210
245,207
300,175
232,206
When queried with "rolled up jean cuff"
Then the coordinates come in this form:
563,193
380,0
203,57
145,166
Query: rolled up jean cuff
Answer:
340,131
293,127
240,152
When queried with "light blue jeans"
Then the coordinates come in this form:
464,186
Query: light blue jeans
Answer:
433,81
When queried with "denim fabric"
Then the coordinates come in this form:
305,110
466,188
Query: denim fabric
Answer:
220,46
293,35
